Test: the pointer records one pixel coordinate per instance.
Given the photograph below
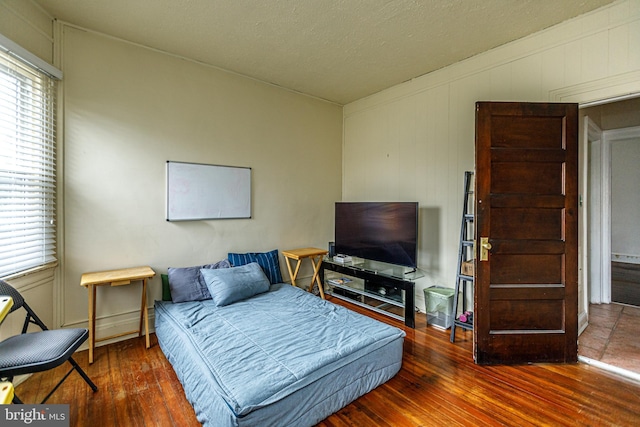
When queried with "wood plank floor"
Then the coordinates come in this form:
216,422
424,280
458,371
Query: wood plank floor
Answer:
438,385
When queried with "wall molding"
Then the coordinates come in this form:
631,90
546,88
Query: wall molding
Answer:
600,91
114,324
626,258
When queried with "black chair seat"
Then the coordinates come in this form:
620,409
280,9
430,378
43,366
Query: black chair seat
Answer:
39,351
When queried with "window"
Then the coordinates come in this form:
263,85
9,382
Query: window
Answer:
27,166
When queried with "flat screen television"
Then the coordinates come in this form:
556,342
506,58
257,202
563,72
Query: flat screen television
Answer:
378,231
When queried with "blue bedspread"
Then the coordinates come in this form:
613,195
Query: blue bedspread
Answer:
261,351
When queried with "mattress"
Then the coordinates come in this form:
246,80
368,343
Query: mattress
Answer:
281,358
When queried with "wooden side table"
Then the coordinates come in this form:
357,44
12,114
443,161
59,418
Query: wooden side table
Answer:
315,255
116,278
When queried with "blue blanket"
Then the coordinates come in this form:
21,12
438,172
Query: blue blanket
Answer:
235,360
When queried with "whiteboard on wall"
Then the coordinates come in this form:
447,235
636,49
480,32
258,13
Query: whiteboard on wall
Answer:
197,191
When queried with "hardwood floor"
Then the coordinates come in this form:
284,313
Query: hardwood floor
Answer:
438,385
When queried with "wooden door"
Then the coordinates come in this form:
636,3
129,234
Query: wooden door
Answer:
526,292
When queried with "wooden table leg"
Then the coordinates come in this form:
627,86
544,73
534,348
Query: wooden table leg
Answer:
92,321
142,306
293,274
293,282
316,276
144,313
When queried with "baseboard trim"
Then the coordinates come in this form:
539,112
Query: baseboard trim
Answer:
116,324
625,373
625,258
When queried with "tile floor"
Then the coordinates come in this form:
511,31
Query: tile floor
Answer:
613,336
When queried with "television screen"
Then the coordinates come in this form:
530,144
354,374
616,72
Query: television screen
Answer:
378,231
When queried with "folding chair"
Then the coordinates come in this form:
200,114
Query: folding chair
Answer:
32,352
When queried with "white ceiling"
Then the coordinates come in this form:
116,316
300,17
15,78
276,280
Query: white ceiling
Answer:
338,50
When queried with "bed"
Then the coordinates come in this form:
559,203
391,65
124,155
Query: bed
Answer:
279,357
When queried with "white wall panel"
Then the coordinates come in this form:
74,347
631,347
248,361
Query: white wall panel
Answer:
595,56
618,48
572,63
527,78
500,82
552,67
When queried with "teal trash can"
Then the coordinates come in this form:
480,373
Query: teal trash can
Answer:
438,303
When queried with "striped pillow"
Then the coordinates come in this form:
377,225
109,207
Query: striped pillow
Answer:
267,260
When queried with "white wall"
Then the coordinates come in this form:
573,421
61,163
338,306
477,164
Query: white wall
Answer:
625,199
127,110
415,140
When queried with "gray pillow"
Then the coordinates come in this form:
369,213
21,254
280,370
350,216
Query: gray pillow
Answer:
229,285
187,284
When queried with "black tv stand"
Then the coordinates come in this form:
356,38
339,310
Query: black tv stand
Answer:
384,288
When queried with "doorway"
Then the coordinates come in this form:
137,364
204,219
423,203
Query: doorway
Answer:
614,254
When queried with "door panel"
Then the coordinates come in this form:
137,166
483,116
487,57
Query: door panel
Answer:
525,269
531,177
520,223
522,132
522,315
526,204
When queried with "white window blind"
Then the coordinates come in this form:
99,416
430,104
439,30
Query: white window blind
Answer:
27,166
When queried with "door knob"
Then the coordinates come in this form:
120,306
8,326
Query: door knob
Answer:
485,247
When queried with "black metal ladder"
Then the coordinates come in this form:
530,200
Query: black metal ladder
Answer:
465,272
